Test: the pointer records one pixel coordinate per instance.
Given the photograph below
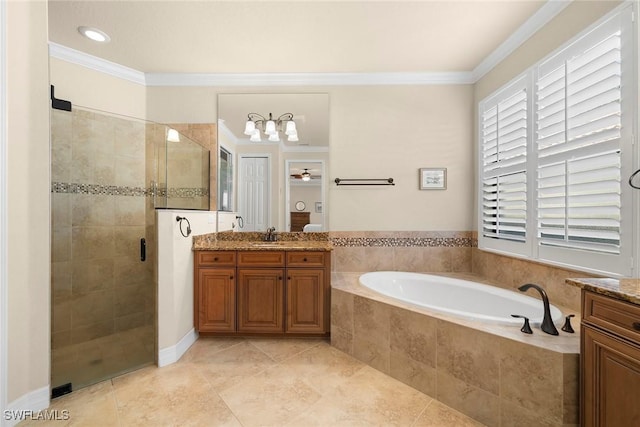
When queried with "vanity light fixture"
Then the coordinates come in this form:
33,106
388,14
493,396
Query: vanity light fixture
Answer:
271,127
94,34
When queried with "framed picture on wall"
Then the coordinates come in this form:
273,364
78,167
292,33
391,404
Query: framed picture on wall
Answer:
318,207
433,178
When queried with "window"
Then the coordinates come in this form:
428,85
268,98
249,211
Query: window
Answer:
554,147
503,137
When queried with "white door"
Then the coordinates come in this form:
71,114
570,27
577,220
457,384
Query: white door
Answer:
253,203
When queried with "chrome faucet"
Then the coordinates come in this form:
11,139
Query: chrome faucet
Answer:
271,235
547,324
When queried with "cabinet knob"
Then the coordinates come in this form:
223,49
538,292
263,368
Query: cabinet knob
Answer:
215,258
289,278
231,277
636,326
279,277
304,259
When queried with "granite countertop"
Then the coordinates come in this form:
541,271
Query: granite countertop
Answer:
622,289
249,241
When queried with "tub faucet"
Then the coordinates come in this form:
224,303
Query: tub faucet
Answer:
547,324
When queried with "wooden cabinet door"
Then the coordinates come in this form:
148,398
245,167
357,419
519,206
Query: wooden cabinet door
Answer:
305,300
260,300
216,300
610,381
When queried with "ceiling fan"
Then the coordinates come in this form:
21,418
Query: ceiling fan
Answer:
305,175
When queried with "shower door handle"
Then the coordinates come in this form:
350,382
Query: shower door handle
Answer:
143,249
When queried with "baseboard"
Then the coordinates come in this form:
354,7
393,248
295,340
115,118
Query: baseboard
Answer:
172,354
26,406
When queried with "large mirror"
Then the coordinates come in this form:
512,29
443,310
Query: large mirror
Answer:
273,177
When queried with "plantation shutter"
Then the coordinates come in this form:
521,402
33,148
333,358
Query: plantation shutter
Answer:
503,134
578,145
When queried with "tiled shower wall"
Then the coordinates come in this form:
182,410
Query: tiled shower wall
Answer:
103,296
205,135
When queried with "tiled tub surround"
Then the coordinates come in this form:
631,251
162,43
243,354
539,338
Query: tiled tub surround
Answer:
447,252
495,374
414,251
508,272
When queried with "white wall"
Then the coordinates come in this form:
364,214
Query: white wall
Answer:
28,212
91,89
227,221
175,280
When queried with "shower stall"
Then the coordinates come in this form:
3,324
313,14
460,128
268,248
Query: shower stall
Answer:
109,173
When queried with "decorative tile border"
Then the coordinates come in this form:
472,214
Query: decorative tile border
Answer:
173,193
391,242
114,190
457,239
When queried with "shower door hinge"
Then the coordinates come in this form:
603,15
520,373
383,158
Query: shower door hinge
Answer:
59,104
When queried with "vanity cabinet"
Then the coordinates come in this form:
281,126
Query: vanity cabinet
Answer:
610,362
262,292
306,292
215,304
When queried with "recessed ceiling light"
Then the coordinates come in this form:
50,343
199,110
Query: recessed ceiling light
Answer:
94,34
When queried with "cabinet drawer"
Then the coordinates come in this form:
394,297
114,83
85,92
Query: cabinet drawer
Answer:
305,259
215,258
616,316
260,258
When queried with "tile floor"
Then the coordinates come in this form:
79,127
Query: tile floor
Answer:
255,382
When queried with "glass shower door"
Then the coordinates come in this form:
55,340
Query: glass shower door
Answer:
103,293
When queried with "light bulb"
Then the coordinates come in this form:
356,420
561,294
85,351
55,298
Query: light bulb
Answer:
255,136
270,127
173,135
291,128
249,127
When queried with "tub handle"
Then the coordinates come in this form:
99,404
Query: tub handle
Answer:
567,324
526,328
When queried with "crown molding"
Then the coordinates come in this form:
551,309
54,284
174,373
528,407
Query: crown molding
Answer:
98,64
546,13
224,130
308,79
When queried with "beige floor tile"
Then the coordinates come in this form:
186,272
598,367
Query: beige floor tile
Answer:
234,364
440,415
174,395
202,350
94,405
235,381
279,349
369,397
271,398
323,367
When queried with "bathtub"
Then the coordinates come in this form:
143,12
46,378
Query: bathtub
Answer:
462,298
